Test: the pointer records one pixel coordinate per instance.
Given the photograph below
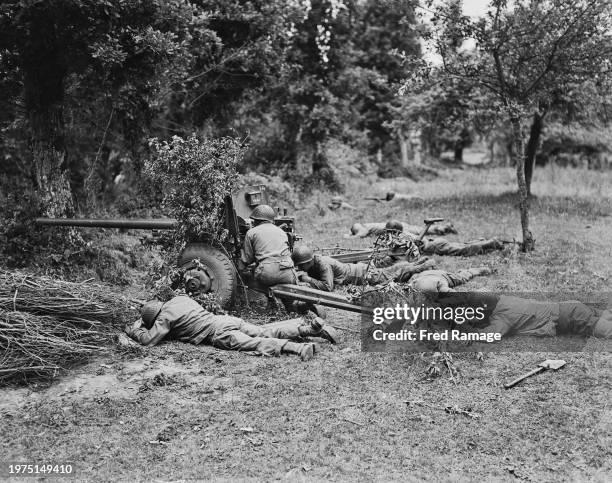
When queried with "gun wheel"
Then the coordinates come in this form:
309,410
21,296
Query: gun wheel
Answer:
221,273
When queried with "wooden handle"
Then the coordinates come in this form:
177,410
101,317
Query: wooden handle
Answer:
524,376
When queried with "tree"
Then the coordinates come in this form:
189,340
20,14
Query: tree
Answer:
342,72
446,111
75,56
527,53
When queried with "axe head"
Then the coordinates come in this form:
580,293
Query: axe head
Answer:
553,364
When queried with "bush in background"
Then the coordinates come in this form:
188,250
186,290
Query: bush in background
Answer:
576,146
194,176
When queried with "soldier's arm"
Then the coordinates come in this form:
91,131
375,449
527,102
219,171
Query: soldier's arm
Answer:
326,280
150,337
247,256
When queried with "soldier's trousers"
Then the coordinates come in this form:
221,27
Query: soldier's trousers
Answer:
442,281
274,271
400,272
233,333
513,315
441,246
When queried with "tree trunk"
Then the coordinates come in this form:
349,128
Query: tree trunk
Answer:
460,144
458,152
518,152
48,155
416,147
44,68
532,147
403,143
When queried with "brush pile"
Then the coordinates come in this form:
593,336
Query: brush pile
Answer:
48,325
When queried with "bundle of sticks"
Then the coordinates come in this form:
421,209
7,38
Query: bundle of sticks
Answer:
48,325
65,300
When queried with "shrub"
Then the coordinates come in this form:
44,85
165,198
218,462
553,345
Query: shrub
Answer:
576,146
194,177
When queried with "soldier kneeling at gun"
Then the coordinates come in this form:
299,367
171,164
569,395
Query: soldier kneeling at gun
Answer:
182,318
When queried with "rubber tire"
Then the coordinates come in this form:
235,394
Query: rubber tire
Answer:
221,267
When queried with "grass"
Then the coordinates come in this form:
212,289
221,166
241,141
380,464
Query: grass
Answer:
344,416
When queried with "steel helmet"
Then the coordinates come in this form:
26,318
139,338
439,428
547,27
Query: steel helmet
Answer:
150,311
263,213
302,254
355,227
337,200
394,225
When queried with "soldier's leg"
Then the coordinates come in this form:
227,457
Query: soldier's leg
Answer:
464,276
576,318
273,273
227,336
441,246
292,329
413,229
463,249
403,271
436,246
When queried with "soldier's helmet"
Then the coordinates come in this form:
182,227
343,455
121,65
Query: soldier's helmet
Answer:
355,227
302,254
150,311
394,225
263,213
336,200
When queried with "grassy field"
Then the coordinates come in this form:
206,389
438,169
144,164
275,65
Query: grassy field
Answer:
178,412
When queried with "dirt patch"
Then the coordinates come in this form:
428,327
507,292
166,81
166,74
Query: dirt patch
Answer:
105,378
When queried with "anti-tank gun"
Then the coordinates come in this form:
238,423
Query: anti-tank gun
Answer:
211,263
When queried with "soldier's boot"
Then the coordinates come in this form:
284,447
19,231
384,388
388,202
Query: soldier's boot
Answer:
305,351
318,328
483,271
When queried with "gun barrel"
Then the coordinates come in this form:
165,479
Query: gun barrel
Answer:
140,224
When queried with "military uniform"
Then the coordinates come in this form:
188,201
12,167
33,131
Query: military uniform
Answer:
183,319
443,281
268,246
327,272
518,316
441,246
